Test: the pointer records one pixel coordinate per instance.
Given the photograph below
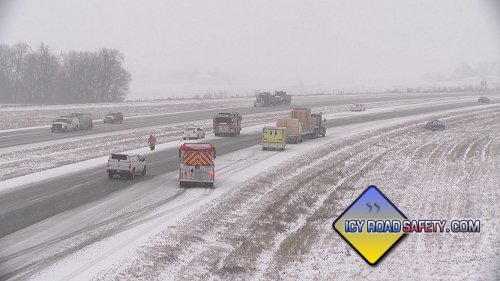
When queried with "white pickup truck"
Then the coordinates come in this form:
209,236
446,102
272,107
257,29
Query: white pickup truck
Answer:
65,123
127,165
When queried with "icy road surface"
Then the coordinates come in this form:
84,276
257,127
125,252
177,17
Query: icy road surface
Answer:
36,153
21,117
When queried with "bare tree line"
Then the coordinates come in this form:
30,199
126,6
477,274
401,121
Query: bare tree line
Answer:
43,77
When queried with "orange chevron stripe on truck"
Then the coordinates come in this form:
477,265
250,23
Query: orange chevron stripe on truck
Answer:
193,158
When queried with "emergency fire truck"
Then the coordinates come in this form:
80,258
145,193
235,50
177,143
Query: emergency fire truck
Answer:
196,164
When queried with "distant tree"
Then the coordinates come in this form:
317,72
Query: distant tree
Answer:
113,80
6,74
39,76
12,68
39,79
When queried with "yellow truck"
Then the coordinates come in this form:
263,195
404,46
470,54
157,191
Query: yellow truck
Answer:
273,138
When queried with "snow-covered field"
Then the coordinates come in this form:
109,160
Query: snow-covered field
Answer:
270,216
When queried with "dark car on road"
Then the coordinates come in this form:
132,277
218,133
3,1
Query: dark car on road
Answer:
483,100
113,117
435,125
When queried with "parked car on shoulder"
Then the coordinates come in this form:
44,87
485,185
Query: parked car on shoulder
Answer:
113,117
126,165
435,125
193,133
357,107
483,100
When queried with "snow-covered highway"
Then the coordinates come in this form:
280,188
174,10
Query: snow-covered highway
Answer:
90,223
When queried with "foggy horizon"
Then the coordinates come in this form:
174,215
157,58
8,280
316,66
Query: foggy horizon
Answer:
188,48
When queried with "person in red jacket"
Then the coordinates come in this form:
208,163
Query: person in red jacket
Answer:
152,142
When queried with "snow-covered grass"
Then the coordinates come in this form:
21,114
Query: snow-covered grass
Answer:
270,216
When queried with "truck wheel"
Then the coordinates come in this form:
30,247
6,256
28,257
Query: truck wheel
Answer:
211,185
264,148
110,175
144,171
52,130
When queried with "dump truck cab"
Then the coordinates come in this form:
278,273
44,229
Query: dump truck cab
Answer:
227,123
283,98
264,99
196,164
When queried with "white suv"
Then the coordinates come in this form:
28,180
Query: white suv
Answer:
193,133
127,165
357,107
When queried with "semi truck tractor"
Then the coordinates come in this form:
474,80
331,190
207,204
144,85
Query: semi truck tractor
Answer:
196,164
227,124
302,124
273,138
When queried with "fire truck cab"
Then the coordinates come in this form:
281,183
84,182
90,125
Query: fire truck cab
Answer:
196,164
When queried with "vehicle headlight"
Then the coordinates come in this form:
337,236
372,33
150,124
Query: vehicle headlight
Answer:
64,126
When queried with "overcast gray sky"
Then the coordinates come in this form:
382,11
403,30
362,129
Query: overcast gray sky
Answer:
189,46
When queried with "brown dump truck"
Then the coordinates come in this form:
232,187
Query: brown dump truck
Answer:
302,124
268,99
